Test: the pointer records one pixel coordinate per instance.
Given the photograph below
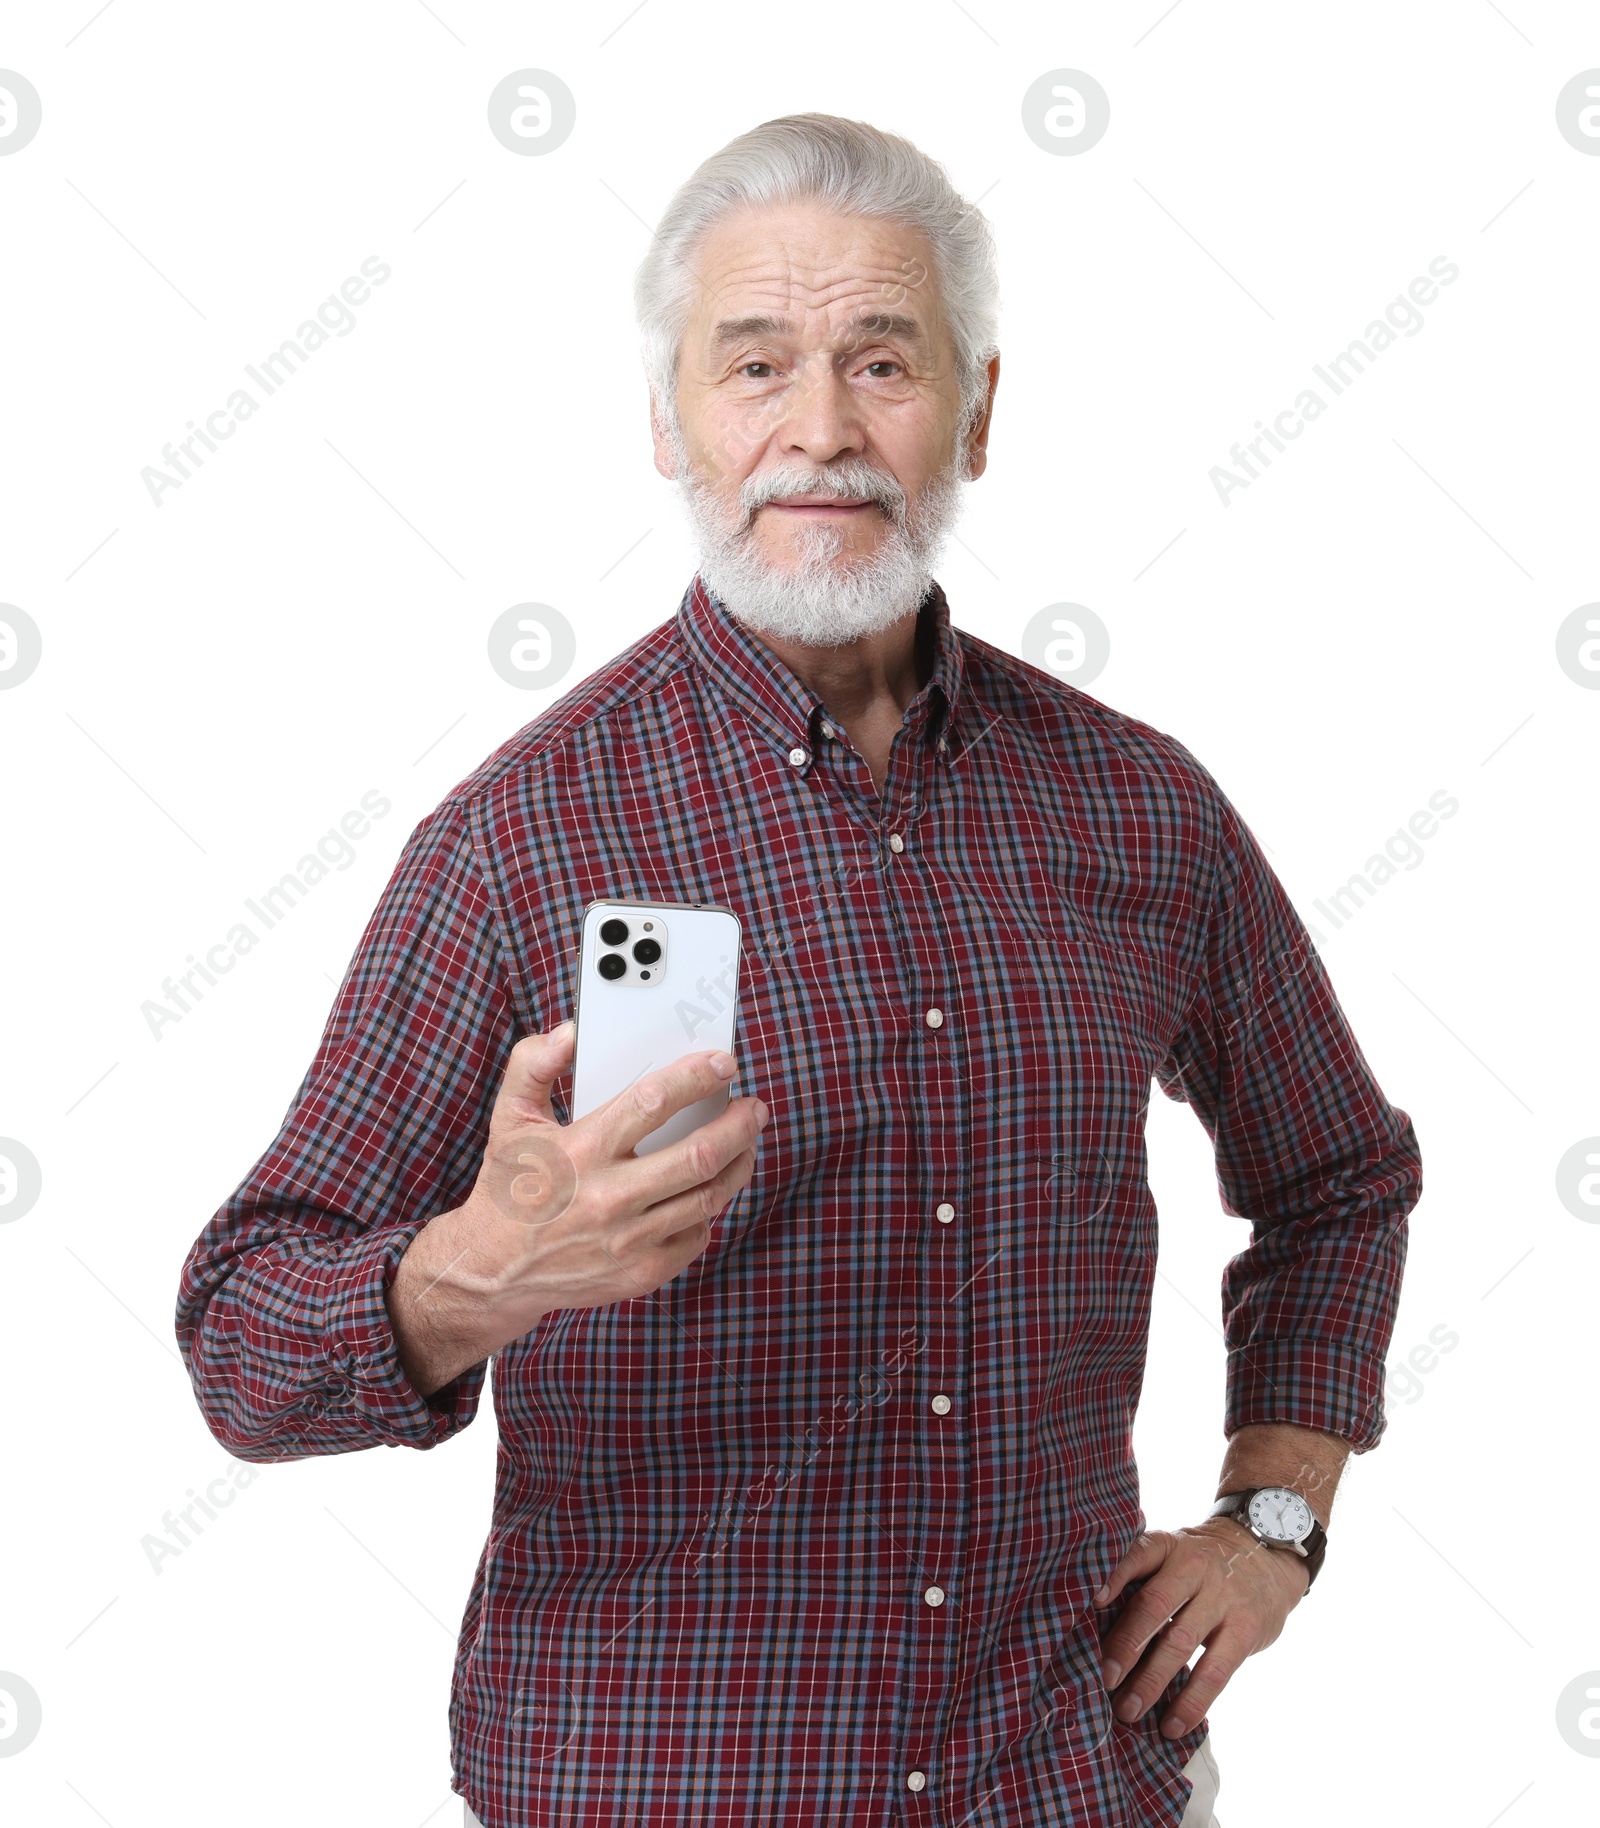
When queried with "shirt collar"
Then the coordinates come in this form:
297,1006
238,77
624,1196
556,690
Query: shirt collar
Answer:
780,704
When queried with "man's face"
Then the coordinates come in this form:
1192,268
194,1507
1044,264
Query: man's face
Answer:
817,419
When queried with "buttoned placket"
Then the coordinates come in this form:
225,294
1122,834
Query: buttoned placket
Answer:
937,1251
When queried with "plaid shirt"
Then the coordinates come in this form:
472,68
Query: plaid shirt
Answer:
809,1535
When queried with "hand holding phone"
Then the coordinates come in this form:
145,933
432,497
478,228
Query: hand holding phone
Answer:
568,1215
614,1204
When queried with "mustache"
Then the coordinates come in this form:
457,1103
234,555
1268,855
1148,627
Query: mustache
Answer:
854,481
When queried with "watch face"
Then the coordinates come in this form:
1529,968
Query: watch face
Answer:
1281,1514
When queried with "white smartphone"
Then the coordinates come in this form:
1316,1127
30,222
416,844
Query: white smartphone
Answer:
656,980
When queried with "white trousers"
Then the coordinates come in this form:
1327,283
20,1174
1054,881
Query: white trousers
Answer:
1201,1771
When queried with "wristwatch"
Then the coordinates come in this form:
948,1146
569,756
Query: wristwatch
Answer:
1279,1517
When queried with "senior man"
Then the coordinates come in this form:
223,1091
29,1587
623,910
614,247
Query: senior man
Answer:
815,1499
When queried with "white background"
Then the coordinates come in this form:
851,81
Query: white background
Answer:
1374,619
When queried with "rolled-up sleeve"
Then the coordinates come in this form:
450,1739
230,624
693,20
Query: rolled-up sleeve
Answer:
1307,1149
281,1317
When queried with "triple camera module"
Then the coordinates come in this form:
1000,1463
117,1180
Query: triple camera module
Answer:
644,950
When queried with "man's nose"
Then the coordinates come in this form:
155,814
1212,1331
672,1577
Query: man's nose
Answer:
818,416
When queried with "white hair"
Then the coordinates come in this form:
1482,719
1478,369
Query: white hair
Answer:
851,167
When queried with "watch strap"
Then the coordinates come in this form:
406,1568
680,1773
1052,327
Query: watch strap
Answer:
1313,1544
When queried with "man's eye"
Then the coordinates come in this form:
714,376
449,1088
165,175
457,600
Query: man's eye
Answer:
749,365
883,364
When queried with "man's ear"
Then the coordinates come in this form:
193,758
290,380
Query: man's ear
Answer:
978,444
661,437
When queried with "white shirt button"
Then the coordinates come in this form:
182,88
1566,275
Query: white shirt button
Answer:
941,1405
934,1596
935,1018
943,744
896,842
917,1780
944,1212
798,757
827,729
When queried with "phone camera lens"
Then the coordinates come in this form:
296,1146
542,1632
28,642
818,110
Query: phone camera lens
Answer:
647,951
614,932
612,967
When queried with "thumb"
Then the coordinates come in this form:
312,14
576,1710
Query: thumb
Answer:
537,1062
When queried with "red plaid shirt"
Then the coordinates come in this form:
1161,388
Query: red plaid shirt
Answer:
808,1536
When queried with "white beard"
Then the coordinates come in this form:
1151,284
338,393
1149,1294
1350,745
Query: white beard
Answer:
825,600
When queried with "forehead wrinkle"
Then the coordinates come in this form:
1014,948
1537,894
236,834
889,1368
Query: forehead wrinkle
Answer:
780,280
867,325
789,276
780,267
778,297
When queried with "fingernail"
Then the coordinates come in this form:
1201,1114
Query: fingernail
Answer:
722,1065
565,1028
1173,1726
1100,1595
762,1114
1113,1673
1132,1708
